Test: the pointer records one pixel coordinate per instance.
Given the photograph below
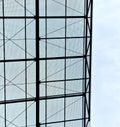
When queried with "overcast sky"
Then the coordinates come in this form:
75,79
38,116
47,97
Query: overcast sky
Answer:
106,64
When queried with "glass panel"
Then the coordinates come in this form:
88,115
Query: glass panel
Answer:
55,69
1,13
74,86
42,8
73,108
55,48
56,28
14,7
30,7
31,113
75,27
2,120
89,12
15,114
42,89
74,47
42,70
1,39
19,91
42,111
15,74
56,7
31,79
1,81
77,123
31,45
42,48
74,68
30,34
75,8
55,88
14,38
55,110
15,49
16,32
31,92
30,29
55,125
42,28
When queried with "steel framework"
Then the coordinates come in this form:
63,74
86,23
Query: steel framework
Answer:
45,63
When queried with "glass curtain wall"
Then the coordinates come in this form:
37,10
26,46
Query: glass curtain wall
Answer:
45,63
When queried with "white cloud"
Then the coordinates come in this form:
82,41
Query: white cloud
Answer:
106,67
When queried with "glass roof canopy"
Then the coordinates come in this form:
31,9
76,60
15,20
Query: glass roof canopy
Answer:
45,63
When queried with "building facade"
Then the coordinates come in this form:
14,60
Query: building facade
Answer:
45,63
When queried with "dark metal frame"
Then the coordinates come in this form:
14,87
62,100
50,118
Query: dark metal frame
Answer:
86,58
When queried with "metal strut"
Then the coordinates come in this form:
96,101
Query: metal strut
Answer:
37,63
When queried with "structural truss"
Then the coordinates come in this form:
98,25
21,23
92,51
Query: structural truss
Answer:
45,63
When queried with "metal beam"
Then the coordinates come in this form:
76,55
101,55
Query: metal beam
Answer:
37,62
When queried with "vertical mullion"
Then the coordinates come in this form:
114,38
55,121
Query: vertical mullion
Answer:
37,63
65,63
4,62
46,63
91,2
86,14
25,66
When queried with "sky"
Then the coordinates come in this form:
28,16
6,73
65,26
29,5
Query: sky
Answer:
105,64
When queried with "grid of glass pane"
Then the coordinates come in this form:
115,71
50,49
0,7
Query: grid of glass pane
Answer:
45,63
